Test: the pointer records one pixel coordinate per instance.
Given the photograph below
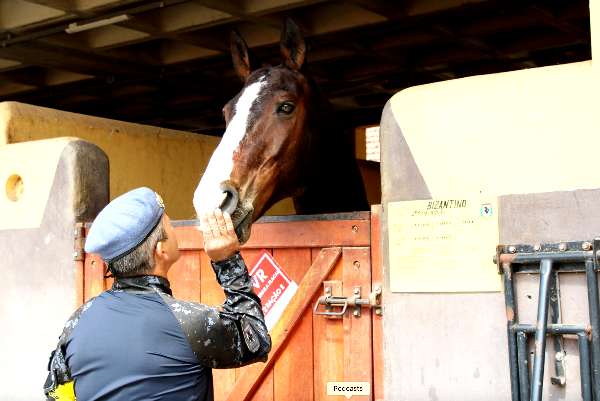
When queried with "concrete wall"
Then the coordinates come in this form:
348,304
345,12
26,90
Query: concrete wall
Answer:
168,161
530,137
64,181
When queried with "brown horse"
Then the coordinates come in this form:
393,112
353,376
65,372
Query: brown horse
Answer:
280,140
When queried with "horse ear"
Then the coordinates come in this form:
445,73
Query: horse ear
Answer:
239,55
293,48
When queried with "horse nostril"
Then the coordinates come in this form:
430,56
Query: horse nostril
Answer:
231,198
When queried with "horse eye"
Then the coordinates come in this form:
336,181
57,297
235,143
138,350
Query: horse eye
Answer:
286,108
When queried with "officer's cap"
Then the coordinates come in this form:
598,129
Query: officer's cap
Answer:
124,223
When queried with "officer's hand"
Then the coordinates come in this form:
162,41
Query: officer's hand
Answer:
220,240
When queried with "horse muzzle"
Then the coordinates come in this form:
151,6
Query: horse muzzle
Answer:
241,214
231,198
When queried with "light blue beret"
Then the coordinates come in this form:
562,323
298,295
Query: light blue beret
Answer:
124,223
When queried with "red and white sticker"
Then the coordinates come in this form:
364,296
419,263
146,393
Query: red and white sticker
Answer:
274,288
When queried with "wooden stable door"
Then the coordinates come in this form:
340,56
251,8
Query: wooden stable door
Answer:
309,349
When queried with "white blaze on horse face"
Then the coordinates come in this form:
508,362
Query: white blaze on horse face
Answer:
208,195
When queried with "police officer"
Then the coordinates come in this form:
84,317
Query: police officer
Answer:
135,341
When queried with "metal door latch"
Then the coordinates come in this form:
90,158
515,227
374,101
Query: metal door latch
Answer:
355,301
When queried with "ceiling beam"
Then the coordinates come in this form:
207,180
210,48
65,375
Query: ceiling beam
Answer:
236,9
388,9
45,55
67,6
35,76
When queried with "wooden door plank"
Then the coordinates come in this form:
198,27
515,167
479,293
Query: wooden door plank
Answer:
328,339
313,234
264,392
79,283
184,276
292,234
358,365
377,280
320,269
251,256
293,369
212,294
93,276
264,386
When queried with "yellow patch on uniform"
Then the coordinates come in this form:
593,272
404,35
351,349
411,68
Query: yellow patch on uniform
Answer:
64,392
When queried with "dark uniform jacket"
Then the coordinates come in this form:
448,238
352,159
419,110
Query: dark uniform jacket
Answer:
137,342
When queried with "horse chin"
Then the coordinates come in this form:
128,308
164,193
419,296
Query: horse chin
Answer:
242,220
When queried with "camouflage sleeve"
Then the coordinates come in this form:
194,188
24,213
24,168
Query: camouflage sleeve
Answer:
58,371
234,334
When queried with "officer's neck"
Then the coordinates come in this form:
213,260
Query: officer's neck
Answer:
160,269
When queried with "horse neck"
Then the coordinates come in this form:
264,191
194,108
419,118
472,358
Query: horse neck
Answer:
333,183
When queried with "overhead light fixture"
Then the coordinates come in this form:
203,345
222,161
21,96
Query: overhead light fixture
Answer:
75,27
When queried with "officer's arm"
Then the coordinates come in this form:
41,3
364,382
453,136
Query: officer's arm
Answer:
59,384
234,334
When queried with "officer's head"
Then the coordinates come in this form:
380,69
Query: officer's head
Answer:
134,235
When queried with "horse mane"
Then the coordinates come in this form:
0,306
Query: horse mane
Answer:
333,180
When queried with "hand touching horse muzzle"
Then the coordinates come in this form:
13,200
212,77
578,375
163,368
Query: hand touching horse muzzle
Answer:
240,215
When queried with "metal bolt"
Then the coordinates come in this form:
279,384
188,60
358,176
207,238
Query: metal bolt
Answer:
559,381
560,356
378,290
356,264
354,228
586,246
562,247
537,247
356,313
357,291
378,311
512,249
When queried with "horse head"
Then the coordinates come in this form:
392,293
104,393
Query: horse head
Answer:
265,151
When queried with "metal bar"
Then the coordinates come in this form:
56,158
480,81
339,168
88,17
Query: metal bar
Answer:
537,381
584,367
511,318
559,378
592,284
553,329
523,366
550,261
530,258
567,267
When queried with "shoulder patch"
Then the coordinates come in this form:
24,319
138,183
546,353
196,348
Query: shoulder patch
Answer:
250,336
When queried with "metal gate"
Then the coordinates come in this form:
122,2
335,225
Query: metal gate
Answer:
331,329
549,261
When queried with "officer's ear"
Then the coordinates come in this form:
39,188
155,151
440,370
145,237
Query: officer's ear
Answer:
160,251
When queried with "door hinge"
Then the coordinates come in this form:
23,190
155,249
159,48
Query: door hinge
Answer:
79,242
